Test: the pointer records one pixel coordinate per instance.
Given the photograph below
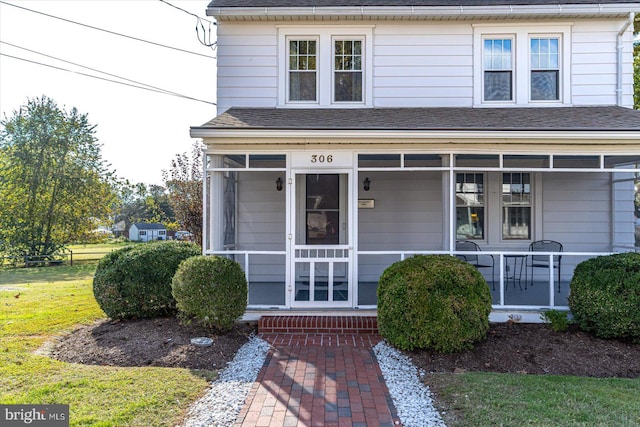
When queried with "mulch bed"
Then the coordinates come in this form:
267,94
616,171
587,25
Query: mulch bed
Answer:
509,347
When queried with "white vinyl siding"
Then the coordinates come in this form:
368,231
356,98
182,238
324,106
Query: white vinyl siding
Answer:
423,64
594,59
247,65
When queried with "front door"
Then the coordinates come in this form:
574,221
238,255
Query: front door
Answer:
321,240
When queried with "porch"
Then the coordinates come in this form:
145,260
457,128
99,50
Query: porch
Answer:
315,235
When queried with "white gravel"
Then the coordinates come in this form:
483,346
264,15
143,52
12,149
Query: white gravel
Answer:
411,397
219,407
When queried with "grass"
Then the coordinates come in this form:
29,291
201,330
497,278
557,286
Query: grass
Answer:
38,304
492,399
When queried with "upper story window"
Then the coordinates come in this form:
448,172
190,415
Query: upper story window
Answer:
525,64
545,69
329,66
497,58
347,80
303,76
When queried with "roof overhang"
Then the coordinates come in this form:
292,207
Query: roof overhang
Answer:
610,10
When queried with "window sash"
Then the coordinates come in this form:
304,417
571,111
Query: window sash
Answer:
302,73
497,57
545,68
348,73
516,206
470,206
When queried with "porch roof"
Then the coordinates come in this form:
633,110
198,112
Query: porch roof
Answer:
560,119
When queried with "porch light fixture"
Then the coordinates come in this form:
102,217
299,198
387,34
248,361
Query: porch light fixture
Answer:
366,183
279,184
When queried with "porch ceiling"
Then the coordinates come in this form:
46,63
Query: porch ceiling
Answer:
561,119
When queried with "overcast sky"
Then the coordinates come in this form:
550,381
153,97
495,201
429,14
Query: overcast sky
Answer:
140,131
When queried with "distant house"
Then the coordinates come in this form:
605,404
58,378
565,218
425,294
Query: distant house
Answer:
144,232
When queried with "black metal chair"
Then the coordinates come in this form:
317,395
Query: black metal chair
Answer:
473,259
542,261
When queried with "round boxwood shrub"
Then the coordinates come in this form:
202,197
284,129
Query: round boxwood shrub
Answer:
212,290
605,296
135,281
433,302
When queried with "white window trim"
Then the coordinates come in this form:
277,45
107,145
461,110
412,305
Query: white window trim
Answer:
325,35
522,34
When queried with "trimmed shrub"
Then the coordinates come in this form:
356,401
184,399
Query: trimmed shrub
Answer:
605,296
433,302
135,281
212,290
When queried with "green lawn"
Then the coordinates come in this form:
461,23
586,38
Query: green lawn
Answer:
490,399
41,303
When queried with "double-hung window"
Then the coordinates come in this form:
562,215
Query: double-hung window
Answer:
326,66
521,65
303,76
545,68
347,75
470,202
516,206
497,56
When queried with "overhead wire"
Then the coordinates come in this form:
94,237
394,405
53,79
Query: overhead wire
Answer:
91,69
137,86
107,31
206,35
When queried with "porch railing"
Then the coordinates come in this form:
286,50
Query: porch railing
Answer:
518,286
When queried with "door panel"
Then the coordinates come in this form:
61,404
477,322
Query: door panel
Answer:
321,264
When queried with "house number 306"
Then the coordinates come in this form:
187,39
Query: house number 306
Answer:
321,158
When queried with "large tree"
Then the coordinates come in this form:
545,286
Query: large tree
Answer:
54,185
184,183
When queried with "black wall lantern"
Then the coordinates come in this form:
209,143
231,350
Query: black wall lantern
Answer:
279,184
366,183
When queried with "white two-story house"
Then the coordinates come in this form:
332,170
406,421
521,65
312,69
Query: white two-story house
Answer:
354,133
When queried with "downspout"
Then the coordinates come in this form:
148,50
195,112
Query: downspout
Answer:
620,57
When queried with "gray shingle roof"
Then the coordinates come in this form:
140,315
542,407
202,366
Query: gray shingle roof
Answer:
383,3
608,118
149,226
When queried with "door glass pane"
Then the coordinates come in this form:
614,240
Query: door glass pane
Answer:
321,283
302,282
322,213
340,282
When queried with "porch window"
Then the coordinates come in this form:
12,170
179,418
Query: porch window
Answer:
470,202
348,74
302,70
498,69
545,69
516,206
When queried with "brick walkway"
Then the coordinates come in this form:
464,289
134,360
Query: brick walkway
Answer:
319,379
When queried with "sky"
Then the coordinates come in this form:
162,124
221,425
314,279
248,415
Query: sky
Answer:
140,131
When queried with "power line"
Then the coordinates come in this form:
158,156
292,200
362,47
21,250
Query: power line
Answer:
150,89
91,69
187,12
206,35
107,31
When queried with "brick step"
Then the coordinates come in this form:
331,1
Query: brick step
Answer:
318,324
